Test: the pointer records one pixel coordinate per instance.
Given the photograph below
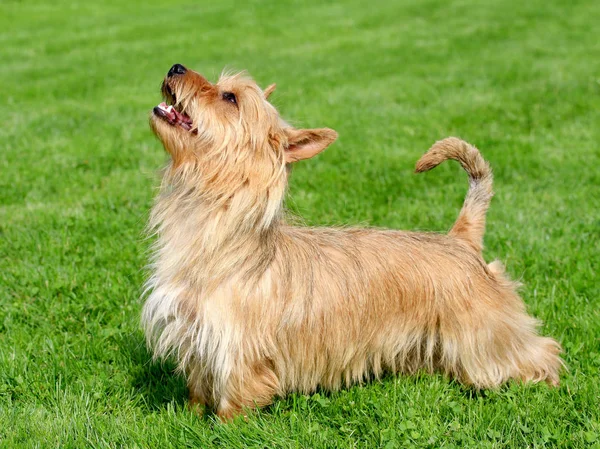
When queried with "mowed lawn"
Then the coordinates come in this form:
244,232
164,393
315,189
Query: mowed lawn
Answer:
79,168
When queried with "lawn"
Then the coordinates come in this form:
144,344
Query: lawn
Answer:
79,168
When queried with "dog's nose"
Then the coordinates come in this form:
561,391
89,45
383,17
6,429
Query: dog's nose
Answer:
177,69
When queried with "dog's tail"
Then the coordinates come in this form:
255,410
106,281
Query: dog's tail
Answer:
470,225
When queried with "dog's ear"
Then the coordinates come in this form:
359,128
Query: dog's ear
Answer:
306,143
269,90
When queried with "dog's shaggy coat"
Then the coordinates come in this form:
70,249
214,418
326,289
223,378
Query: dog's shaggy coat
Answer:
252,308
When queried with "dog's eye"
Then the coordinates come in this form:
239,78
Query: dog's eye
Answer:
229,96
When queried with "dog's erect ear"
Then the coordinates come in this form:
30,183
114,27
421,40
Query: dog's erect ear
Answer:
306,143
269,90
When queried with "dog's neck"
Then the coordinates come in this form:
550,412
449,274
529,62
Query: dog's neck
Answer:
228,235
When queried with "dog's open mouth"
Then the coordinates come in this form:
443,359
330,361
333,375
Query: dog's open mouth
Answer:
172,113
173,116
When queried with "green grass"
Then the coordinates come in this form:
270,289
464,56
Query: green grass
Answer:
520,79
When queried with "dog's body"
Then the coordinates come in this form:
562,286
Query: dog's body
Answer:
252,308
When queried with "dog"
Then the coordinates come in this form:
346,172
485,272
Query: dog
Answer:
252,308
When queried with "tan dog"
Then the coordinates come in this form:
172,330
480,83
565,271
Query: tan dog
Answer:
252,308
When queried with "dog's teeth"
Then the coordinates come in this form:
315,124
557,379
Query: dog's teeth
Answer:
169,109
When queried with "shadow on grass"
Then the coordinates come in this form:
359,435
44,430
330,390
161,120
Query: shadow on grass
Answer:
156,382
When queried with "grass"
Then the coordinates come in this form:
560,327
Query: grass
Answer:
520,79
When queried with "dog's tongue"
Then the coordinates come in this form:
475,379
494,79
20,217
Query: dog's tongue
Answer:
175,117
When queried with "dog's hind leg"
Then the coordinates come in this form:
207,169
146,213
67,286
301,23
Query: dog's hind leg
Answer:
486,350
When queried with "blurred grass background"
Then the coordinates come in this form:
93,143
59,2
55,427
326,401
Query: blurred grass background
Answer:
79,168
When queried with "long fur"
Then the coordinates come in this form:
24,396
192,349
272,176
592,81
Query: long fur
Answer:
252,308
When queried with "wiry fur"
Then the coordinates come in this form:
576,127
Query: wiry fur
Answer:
252,308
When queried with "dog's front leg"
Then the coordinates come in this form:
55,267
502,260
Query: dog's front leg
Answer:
249,386
200,387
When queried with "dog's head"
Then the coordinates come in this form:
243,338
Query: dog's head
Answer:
229,126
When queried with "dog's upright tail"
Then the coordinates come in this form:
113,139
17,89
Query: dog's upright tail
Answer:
470,225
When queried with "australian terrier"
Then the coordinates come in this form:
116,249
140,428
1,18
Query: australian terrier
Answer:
252,307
